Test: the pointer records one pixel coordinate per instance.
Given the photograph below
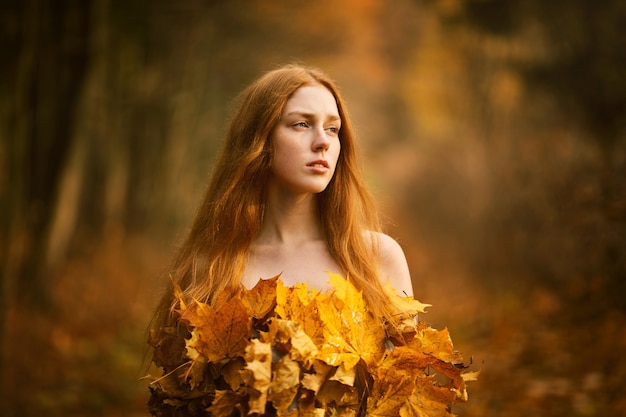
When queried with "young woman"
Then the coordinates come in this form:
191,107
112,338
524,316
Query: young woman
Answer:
287,196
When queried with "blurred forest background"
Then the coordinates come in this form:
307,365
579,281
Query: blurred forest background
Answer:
493,135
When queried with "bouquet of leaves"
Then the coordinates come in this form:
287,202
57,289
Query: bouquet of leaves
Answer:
293,351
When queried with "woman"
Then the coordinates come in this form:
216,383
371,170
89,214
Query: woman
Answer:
286,197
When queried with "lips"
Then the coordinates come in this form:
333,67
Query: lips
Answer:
320,163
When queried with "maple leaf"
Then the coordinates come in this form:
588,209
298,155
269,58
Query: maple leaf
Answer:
226,403
344,376
258,374
314,381
221,333
295,341
284,385
438,344
335,394
351,333
169,347
291,301
317,354
300,305
261,299
420,404
394,381
405,305
231,372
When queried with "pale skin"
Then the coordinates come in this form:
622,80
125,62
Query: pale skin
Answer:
290,243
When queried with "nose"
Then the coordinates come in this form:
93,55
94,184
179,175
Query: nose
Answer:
321,142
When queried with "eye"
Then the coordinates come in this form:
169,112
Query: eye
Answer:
333,130
302,125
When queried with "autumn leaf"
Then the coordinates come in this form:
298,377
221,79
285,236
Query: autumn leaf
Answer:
314,381
351,333
405,305
294,351
470,376
284,385
258,374
394,381
299,345
220,334
300,305
169,347
437,343
261,299
421,404
226,402
231,372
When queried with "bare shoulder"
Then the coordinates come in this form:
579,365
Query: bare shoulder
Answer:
393,263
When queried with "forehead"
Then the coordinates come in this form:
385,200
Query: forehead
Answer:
313,98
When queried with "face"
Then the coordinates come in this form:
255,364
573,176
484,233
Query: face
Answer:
306,141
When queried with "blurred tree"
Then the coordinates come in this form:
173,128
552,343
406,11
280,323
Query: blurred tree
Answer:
43,75
564,211
580,59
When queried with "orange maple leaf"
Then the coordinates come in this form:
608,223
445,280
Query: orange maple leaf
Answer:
261,299
221,333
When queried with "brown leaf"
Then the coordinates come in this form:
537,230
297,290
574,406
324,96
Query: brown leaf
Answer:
222,333
300,346
169,347
258,374
231,372
226,402
284,385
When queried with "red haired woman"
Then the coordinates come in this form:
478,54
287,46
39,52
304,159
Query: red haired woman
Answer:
287,197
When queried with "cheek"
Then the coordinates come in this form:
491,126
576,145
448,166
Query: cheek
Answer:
337,151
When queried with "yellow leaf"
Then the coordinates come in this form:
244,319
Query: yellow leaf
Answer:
470,376
300,305
427,400
284,385
394,381
345,376
313,381
438,344
301,347
405,305
351,332
258,374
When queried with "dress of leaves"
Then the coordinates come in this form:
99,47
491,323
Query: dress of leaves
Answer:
293,351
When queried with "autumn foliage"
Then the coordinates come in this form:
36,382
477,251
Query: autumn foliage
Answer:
293,351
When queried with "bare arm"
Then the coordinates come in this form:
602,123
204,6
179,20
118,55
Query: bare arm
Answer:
394,266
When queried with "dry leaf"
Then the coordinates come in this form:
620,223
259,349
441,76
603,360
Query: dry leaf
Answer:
351,333
293,351
226,402
258,374
222,333
261,299
285,384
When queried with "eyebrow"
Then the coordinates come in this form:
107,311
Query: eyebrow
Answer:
332,117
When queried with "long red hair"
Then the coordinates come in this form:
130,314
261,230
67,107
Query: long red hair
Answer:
213,257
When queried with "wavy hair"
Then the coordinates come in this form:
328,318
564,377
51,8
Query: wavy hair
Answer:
213,256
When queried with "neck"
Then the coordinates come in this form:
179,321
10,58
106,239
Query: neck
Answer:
289,219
